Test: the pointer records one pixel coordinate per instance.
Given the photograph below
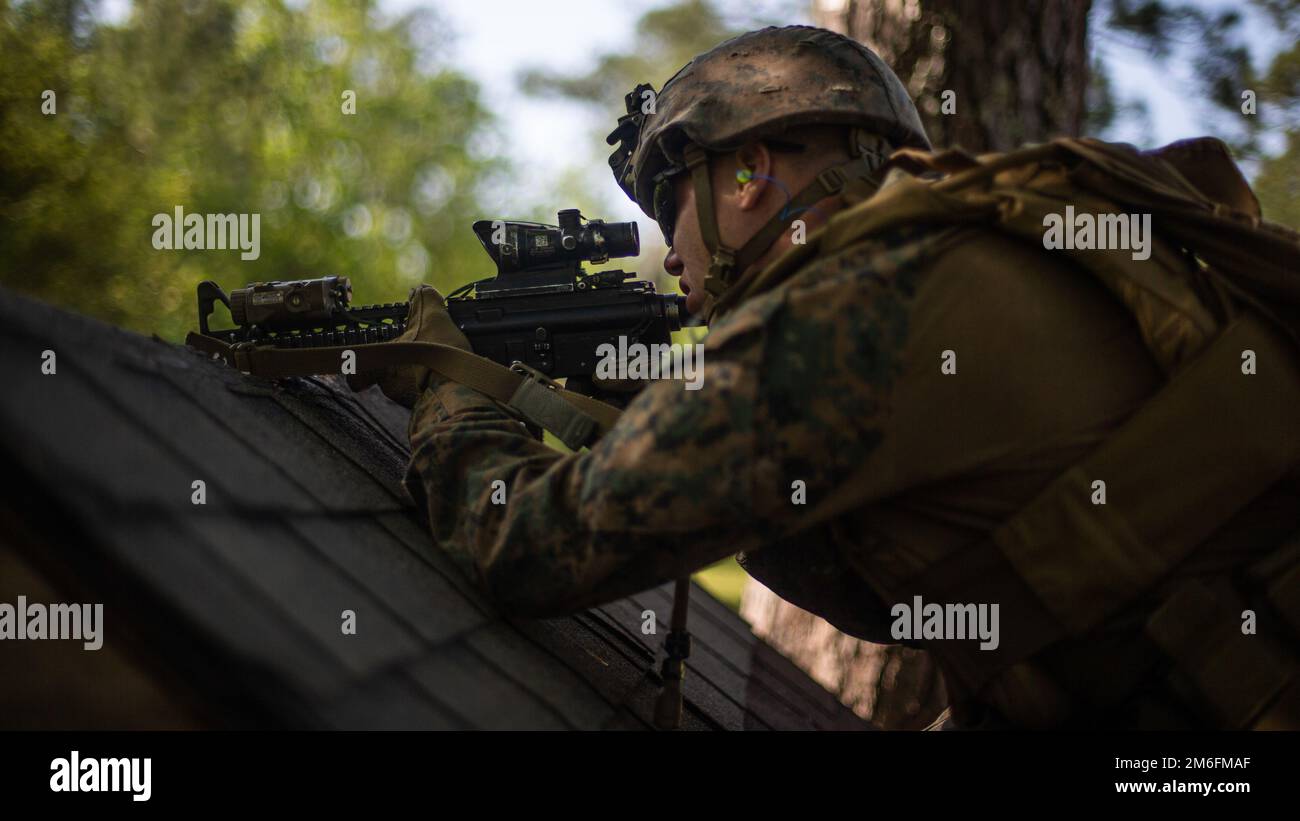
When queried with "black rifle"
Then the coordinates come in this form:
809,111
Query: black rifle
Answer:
541,309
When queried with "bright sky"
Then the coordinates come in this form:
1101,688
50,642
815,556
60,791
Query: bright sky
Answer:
499,38
1172,95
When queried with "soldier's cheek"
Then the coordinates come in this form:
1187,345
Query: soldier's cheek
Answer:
695,301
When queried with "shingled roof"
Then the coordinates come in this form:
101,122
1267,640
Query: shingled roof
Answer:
236,604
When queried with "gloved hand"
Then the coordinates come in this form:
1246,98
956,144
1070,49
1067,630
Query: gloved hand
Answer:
427,320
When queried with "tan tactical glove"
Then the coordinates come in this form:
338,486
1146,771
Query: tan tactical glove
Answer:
427,320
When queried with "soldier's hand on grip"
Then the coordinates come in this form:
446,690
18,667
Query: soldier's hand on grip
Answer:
426,321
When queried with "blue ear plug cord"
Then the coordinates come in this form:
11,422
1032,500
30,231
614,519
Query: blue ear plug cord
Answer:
744,175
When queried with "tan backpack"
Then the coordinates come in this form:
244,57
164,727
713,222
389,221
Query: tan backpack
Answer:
1220,281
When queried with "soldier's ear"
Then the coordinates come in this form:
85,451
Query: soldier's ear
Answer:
756,157
753,174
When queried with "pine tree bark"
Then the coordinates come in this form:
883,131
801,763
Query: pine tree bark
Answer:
891,686
1018,70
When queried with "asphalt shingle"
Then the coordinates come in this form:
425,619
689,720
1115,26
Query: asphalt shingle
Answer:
305,517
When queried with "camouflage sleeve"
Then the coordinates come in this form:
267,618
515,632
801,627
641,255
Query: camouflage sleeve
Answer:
685,478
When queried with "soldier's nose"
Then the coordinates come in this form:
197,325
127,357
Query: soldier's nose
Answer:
673,264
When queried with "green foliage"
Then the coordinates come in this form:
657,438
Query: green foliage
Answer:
1278,181
232,106
1278,185
725,581
1214,43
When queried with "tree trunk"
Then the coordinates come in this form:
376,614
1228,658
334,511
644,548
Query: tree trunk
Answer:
893,687
1018,70
1018,73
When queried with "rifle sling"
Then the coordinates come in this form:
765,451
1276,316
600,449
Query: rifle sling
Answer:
577,420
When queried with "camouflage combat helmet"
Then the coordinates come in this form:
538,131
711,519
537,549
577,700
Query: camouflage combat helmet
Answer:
758,85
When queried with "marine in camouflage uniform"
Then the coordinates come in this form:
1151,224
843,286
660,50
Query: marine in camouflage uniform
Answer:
831,379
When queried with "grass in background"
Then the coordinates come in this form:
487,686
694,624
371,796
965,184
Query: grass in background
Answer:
725,581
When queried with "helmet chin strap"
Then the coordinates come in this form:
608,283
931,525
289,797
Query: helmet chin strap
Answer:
722,259
726,263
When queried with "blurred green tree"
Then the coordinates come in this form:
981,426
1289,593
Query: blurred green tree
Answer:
233,106
1216,45
1278,184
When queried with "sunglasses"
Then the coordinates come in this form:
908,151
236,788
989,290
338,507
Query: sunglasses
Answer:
664,198
665,202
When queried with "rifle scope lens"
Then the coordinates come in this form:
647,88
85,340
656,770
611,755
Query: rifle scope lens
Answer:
621,239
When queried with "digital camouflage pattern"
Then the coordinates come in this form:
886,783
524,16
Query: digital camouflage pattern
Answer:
791,391
761,84
831,447
831,379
